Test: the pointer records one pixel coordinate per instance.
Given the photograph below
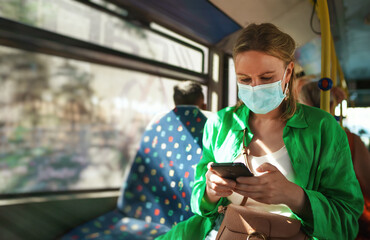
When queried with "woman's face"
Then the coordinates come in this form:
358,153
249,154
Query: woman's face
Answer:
255,68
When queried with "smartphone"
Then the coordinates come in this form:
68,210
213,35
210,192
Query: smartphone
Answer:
231,170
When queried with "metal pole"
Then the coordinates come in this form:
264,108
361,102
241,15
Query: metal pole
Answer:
334,70
323,14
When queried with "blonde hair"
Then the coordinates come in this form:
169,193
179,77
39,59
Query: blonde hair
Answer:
268,39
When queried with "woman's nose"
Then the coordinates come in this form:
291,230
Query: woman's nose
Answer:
253,83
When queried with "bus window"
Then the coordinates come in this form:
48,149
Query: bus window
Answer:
356,120
77,20
71,125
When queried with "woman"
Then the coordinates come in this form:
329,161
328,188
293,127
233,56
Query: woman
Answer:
300,155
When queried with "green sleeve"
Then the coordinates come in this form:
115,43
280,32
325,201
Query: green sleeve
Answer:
198,204
335,198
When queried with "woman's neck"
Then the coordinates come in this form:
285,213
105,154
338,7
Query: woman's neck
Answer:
274,115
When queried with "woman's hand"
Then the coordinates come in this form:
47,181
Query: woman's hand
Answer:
272,188
216,186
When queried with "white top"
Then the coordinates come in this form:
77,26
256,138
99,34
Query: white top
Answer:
281,160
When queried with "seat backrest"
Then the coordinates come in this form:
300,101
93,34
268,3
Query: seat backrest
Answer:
159,184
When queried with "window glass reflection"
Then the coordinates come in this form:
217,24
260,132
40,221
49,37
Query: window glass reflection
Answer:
67,124
74,19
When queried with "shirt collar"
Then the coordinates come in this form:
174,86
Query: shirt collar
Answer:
241,117
298,120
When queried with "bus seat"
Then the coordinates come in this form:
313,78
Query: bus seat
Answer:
157,192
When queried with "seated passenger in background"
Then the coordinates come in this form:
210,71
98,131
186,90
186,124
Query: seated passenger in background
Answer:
187,93
309,94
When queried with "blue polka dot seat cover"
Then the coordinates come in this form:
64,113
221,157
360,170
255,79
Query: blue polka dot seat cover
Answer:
157,192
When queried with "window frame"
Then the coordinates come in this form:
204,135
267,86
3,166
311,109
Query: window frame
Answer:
21,36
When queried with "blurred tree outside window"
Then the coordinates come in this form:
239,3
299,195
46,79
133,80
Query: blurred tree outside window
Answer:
71,125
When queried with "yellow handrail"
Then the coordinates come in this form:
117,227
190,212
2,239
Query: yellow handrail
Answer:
334,62
323,13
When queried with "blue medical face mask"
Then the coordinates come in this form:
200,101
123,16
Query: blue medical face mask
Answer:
263,98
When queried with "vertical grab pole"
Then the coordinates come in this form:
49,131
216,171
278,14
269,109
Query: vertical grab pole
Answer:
323,14
334,63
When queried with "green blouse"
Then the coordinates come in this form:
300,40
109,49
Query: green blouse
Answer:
320,156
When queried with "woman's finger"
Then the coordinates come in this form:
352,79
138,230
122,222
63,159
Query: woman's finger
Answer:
267,167
250,188
220,188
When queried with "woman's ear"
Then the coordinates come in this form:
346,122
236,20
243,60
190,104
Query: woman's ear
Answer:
289,72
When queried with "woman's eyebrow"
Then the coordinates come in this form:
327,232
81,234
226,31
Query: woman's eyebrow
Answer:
268,72
242,75
246,75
